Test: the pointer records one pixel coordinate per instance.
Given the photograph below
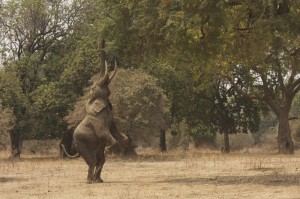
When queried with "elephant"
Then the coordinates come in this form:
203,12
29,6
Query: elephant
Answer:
98,128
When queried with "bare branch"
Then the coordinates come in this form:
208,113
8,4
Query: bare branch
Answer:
242,92
295,87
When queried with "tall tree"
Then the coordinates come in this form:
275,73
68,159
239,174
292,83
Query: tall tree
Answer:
264,57
29,31
233,113
253,42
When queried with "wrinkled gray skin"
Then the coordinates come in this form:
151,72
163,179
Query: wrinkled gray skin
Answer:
98,128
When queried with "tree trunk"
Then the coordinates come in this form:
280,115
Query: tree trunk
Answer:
15,139
162,141
226,142
284,138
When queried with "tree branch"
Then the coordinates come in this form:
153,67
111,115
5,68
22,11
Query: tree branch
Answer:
295,87
280,78
242,92
234,2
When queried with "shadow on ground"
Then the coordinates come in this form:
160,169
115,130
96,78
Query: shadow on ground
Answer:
6,179
268,180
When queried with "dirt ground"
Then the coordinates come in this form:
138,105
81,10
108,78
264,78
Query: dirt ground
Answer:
193,174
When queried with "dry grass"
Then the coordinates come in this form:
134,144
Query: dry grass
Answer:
176,174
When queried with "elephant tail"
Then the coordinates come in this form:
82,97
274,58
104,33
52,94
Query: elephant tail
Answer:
70,156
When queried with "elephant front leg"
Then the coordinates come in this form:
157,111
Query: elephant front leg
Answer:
110,139
119,136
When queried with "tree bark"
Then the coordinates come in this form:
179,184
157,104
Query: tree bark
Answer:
226,142
284,138
15,138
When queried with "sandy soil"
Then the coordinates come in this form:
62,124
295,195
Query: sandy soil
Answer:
194,174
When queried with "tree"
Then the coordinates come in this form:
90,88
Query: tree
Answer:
264,55
256,42
207,107
131,30
14,99
50,48
233,113
30,30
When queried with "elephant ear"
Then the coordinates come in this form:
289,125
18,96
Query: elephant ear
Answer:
96,106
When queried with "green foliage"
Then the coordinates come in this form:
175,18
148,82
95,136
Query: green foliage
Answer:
79,67
197,50
179,135
177,84
7,122
34,25
34,42
13,98
203,135
49,106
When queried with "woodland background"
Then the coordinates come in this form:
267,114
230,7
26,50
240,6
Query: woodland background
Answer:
195,68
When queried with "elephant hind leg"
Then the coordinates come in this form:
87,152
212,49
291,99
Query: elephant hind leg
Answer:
99,164
90,176
89,155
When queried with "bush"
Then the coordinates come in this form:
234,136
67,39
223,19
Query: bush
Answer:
7,121
178,137
140,107
203,135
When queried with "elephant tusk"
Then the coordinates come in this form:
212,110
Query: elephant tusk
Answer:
103,78
114,72
105,70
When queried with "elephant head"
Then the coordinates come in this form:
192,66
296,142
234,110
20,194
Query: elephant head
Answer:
100,88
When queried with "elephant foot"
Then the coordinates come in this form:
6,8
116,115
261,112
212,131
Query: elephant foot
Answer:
94,180
98,180
90,181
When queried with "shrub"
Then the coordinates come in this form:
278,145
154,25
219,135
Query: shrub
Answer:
178,137
140,107
203,135
7,121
